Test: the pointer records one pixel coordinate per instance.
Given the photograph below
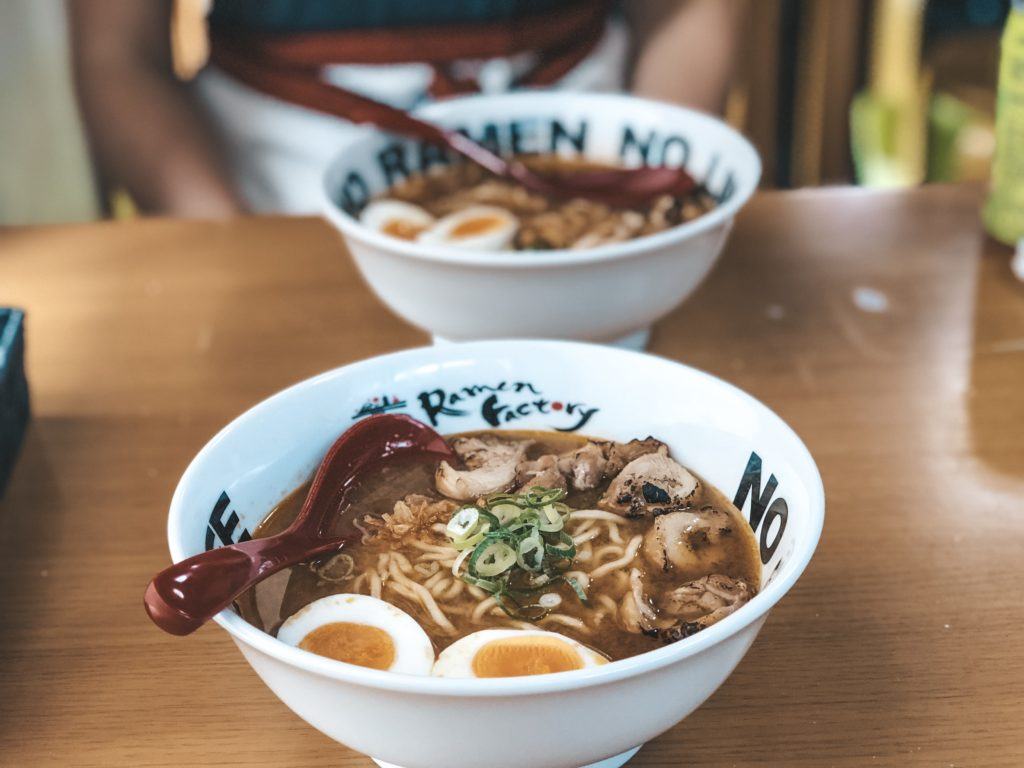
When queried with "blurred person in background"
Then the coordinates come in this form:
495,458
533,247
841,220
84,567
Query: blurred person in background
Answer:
250,133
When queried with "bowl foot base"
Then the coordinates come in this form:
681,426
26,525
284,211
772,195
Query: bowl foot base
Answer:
636,341
611,762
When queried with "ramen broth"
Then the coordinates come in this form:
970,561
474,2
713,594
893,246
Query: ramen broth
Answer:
380,565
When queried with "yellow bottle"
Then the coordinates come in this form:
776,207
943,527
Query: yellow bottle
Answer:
1004,211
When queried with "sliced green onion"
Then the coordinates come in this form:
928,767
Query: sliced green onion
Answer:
538,496
577,589
520,525
460,560
492,558
550,519
530,554
472,541
494,521
513,546
565,549
487,585
502,498
531,612
463,523
505,513
550,600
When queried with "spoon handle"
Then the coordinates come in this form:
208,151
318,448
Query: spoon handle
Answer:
399,121
183,597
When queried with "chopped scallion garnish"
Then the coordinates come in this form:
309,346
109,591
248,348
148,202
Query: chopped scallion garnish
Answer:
514,545
492,559
464,523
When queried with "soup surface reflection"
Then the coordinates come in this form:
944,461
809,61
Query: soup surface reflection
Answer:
638,552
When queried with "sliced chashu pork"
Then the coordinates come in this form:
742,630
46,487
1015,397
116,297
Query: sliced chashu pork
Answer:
542,472
586,467
650,485
689,541
701,603
685,610
491,465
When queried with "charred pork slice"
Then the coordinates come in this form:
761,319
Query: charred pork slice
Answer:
701,603
691,541
650,485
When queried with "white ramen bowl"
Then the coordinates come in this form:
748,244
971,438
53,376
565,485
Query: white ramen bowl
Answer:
599,294
550,721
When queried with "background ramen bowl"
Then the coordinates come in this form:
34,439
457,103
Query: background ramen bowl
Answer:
550,721
601,294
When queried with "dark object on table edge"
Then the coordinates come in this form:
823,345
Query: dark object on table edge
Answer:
14,408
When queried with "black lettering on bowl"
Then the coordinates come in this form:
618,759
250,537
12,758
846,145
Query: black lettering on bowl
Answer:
354,194
778,510
631,143
677,158
750,485
392,163
219,528
560,134
728,188
433,404
524,136
500,406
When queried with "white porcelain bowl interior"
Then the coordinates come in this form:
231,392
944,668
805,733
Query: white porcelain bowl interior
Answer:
596,294
551,721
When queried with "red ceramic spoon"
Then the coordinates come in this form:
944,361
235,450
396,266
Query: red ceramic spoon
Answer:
183,597
622,187
616,186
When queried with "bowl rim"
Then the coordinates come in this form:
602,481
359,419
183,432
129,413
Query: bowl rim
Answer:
613,103
244,633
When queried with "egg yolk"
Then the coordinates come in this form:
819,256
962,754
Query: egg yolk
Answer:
476,226
403,230
358,644
517,656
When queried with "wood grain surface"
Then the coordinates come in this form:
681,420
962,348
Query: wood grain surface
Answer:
882,326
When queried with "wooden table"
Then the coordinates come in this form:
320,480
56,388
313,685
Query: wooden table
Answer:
882,327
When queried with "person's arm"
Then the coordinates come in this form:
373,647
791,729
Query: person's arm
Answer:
685,49
146,132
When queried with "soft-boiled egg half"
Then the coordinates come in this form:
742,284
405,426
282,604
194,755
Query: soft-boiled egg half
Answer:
514,653
360,630
478,227
396,218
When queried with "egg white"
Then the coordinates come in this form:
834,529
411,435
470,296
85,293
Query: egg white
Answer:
457,659
380,213
414,653
497,238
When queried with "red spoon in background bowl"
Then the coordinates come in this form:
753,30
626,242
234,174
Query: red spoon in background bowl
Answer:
614,186
623,187
182,598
